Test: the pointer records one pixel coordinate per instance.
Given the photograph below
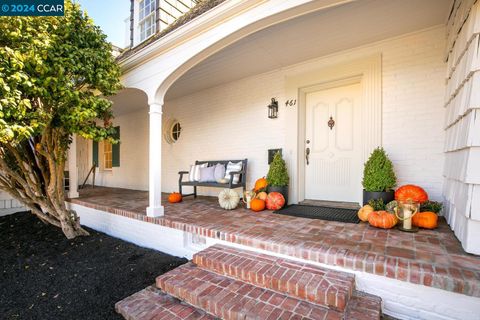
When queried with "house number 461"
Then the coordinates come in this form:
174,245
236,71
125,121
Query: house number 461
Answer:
290,103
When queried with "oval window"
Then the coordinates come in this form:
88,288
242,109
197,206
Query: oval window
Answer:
175,131
172,130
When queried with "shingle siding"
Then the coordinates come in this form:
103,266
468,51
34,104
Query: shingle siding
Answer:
462,124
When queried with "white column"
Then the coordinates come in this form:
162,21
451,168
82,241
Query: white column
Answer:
72,169
155,207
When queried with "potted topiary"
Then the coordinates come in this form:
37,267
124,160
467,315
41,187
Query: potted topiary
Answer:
378,177
277,177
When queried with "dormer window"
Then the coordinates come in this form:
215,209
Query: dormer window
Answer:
146,18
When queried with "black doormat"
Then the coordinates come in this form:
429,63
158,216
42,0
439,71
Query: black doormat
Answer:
322,213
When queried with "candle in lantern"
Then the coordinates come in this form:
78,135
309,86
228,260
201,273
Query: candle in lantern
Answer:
407,215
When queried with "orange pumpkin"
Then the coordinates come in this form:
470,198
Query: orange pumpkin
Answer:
174,197
364,212
382,219
257,205
411,192
427,220
262,195
260,184
275,201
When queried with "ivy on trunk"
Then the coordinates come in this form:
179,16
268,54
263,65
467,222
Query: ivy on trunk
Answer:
55,73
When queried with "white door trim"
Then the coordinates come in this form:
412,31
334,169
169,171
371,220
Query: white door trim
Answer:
367,71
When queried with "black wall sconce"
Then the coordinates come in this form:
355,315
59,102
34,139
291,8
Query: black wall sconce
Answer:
273,109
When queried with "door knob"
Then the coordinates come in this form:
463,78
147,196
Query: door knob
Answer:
307,155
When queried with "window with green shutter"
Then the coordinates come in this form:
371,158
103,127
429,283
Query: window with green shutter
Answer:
116,149
95,153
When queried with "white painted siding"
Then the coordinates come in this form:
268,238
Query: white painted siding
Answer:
462,124
230,121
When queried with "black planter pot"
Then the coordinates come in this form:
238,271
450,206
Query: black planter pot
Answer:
282,190
387,196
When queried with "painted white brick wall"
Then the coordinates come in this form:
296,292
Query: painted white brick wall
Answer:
230,121
9,205
133,170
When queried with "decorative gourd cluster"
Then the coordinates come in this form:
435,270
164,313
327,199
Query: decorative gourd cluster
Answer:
263,200
381,215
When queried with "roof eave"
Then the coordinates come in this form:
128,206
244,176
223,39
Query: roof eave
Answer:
196,26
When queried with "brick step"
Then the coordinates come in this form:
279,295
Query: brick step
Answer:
317,285
233,299
152,303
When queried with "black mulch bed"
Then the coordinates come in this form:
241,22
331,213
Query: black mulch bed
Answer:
46,276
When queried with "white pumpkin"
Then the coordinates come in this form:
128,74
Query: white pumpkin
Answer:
228,199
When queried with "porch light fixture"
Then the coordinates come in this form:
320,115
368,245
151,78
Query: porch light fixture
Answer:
273,109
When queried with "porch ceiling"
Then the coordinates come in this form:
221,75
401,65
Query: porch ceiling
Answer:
129,100
313,35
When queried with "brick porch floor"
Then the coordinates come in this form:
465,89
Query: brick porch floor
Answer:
433,258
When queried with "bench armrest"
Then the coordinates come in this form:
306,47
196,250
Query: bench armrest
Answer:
181,173
234,173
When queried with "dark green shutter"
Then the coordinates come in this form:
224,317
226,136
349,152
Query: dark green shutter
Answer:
116,149
95,153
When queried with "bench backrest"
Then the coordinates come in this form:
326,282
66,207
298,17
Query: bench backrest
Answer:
243,177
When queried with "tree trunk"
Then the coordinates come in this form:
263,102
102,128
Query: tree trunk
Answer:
33,173
71,228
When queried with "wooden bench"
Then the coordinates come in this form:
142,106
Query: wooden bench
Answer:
242,183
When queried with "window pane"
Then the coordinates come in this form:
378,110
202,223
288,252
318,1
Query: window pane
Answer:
107,155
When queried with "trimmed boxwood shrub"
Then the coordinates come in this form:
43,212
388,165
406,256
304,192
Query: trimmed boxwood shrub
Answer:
378,174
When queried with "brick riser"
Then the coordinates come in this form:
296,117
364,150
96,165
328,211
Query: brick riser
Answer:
232,299
324,287
151,303
233,284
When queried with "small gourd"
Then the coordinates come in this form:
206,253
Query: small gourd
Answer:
174,197
382,219
228,199
260,184
262,195
391,206
427,220
364,212
257,205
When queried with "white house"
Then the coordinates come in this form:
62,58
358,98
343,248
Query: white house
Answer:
401,74
392,73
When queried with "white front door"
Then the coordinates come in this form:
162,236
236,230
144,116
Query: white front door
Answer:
333,164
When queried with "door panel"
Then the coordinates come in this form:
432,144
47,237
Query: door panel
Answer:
344,124
319,141
333,169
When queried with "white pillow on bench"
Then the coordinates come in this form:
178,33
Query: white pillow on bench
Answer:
194,173
233,167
